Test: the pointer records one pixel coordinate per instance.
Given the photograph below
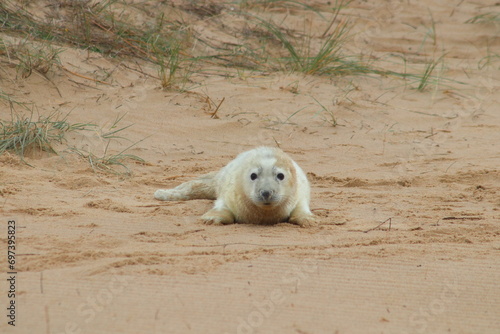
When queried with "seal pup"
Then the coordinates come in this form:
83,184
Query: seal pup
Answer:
260,186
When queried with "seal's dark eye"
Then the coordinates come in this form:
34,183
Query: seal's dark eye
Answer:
280,176
253,176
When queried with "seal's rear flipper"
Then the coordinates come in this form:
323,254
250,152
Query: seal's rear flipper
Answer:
200,188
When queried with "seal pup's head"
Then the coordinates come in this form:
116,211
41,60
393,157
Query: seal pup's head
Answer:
271,178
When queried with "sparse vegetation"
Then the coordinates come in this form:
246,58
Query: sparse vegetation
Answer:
96,27
485,18
326,114
107,162
161,34
168,42
169,60
488,60
431,32
24,133
31,57
302,58
429,69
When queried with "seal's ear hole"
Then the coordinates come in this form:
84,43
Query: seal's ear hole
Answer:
253,176
280,176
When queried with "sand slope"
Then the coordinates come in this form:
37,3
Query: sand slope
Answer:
97,254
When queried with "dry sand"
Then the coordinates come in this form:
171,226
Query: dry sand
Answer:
97,254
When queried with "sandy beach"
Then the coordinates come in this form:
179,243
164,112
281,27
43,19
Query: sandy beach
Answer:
405,182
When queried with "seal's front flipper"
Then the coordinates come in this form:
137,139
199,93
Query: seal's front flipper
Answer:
303,221
302,216
218,217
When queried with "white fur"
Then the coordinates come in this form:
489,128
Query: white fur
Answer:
263,185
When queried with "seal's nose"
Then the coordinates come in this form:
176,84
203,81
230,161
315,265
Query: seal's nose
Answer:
265,194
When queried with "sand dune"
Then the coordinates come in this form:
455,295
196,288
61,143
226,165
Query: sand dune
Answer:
97,254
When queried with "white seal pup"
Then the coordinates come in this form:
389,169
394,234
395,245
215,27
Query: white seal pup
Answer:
260,186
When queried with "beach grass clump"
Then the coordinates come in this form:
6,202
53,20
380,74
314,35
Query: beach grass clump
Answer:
22,134
108,162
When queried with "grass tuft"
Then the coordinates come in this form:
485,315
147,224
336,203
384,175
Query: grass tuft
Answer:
327,60
88,25
167,40
23,133
168,59
268,4
427,75
485,18
327,114
32,57
107,162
